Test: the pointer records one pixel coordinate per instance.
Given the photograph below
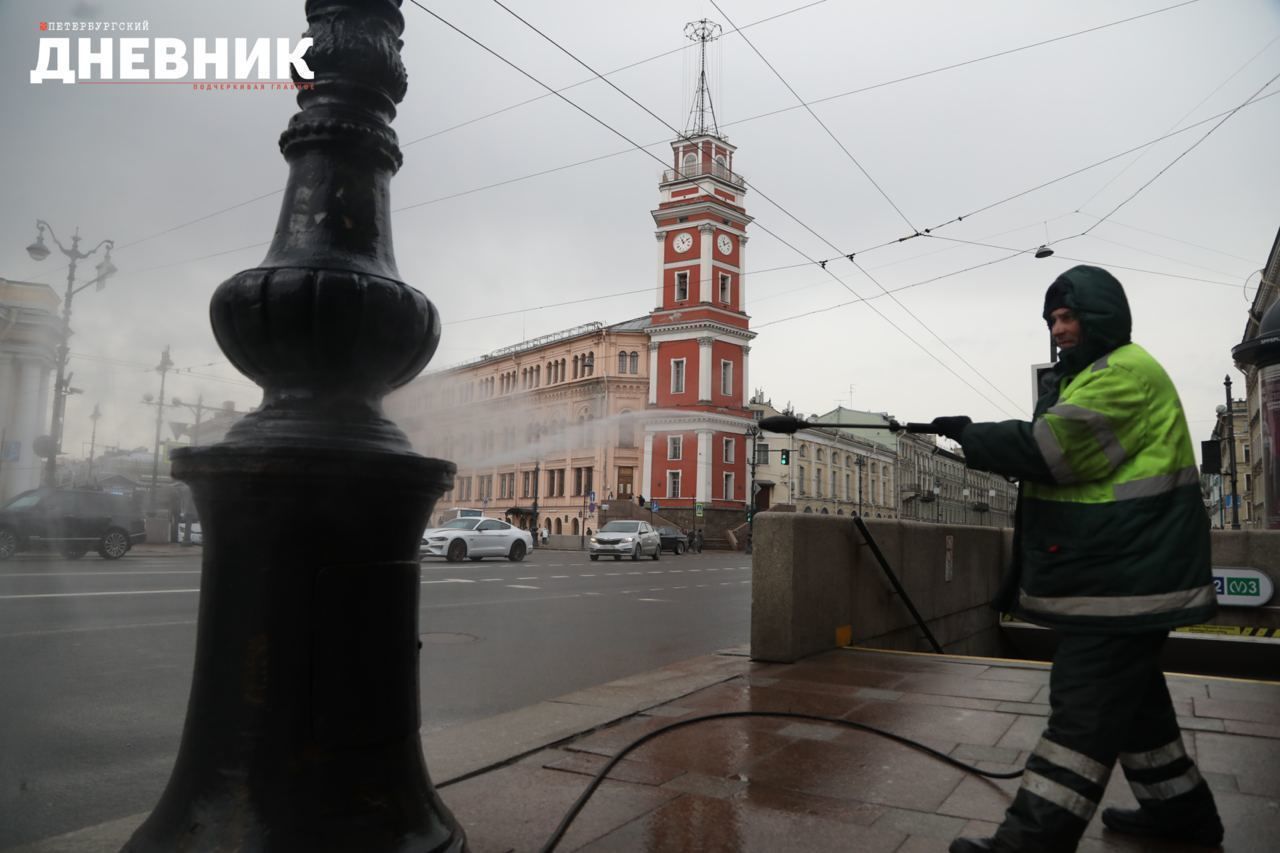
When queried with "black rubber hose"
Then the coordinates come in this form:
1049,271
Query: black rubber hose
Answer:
578,804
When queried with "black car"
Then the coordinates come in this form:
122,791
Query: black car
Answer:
673,540
70,521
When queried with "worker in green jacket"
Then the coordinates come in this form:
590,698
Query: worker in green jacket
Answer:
1111,549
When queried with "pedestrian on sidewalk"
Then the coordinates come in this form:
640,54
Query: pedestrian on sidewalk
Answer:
696,544
1111,549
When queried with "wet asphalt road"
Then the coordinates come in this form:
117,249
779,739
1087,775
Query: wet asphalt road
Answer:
95,658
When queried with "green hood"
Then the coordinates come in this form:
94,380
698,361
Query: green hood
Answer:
1099,302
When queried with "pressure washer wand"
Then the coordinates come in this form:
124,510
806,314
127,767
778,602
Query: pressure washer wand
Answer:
790,424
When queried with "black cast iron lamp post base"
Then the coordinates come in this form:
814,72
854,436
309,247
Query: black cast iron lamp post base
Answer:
302,730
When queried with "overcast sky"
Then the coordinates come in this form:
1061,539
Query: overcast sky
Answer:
129,162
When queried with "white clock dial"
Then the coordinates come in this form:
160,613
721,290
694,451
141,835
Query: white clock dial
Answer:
682,241
724,244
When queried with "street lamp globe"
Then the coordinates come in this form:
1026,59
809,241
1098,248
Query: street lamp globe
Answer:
38,250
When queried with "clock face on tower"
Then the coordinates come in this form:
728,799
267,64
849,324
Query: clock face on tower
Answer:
724,243
682,241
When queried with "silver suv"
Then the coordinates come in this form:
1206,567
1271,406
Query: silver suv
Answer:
625,538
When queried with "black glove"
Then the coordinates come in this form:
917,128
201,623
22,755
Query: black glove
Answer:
950,427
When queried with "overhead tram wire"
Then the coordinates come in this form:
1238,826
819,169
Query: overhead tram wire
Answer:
851,257
729,124
1191,148
618,70
821,124
926,232
755,187
1114,221
1183,118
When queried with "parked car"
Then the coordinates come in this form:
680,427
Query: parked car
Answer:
474,539
625,538
70,521
673,540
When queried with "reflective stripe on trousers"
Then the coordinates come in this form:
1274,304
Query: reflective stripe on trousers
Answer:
1108,698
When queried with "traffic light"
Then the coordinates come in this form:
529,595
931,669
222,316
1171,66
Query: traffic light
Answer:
785,456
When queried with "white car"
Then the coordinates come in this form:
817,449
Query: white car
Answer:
620,539
476,538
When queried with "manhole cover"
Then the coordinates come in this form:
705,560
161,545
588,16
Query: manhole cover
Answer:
446,638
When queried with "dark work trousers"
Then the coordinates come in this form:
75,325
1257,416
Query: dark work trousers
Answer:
1108,700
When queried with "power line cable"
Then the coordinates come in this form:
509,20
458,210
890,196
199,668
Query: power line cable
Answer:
1175,160
962,64
678,134
814,115
1183,118
544,96
904,217
848,93
1114,221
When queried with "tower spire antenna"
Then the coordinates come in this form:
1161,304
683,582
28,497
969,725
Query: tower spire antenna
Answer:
702,116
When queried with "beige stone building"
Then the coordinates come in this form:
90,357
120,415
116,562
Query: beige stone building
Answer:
827,471
553,419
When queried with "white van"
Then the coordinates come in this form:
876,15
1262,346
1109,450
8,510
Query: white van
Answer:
448,515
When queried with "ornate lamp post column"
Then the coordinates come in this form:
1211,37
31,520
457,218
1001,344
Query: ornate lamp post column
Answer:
105,269
302,730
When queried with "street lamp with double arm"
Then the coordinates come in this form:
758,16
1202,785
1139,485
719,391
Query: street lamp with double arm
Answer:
105,268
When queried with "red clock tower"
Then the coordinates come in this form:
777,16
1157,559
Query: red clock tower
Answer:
695,447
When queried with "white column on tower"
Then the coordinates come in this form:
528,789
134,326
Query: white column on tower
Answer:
646,467
653,373
746,384
662,245
704,368
706,238
704,466
742,274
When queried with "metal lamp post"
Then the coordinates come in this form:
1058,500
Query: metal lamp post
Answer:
93,441
1231,450
753,432
163,369
105,269
303,725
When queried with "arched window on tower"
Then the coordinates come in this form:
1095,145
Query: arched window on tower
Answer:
690,165
722,167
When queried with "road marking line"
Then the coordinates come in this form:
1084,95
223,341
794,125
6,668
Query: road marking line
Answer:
701,585
86,574
677,571
695,570
586,576
449,580
713,570
679,587
558,577
527,579
655,573
521,586
656,588
92,594
612,574
491,580
593,593
654,599
85,630
726,583
744,581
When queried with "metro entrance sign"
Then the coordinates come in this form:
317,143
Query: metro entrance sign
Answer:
1241,587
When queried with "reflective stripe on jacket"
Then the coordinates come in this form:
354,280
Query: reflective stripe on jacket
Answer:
1113,535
